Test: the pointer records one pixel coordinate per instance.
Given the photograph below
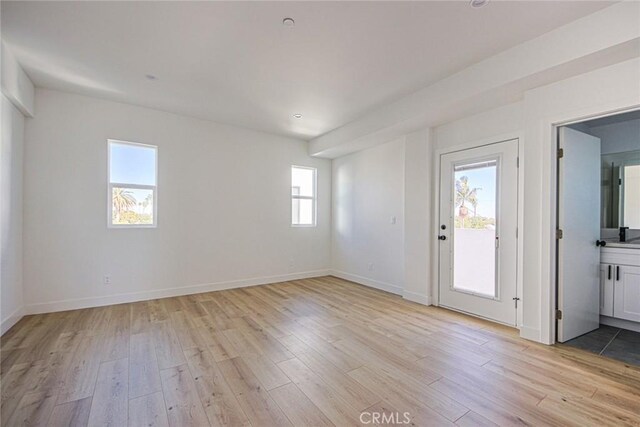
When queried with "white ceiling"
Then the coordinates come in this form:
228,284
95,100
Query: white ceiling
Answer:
234,62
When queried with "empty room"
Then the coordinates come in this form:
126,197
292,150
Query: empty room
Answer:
320,213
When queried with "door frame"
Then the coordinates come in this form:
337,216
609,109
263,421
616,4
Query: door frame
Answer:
549,302
435,258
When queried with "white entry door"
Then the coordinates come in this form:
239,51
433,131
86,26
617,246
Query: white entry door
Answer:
579,219
478,231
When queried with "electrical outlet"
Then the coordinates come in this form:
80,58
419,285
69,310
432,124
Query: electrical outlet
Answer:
370,266
393,220
106,280
292,263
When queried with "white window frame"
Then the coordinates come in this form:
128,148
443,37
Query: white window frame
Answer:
313,198
110,186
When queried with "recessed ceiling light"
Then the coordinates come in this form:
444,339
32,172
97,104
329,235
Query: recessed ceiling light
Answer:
151,77
478,3
288,22
297,116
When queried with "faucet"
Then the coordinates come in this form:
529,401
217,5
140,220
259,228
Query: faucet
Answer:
623,234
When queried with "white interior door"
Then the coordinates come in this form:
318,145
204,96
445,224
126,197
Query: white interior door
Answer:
579,220
478,231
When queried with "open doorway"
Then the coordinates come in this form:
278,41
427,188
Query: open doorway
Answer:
598,236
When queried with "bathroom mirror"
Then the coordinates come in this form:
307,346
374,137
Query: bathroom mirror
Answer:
620,194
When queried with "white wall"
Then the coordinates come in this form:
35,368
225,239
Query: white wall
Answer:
368,190
17,101
531,120
418,211
618,137
491,126
223,213
11,164
398,179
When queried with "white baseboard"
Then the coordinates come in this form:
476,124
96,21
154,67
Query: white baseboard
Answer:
73,304
415,297
620,323
388,287
11,320
530,334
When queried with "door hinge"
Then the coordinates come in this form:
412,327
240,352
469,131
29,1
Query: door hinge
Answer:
559,234
558,314
560,153
516,299
517,162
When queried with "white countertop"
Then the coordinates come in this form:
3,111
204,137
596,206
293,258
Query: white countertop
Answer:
628,245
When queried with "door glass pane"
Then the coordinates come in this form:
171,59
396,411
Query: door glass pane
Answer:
474,233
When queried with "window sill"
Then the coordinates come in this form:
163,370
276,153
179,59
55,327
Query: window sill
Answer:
127,226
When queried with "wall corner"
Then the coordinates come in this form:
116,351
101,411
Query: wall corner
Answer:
16,85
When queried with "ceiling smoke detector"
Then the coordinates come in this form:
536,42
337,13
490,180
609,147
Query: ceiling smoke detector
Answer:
478,3
297,116
151,77
288,22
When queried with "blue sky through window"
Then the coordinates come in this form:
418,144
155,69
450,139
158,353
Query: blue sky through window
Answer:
484,178
132,164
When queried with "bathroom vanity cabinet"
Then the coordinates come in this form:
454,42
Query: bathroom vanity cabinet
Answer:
620,283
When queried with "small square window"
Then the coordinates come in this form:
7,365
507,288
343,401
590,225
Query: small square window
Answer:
132,194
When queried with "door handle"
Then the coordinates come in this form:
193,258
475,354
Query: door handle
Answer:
609,275
617,273
601,243
442,237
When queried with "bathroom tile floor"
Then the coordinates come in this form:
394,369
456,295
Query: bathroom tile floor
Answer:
616,343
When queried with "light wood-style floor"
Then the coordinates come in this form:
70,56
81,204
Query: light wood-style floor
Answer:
311,352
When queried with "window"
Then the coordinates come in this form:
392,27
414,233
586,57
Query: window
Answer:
475,192
132,184
303,196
